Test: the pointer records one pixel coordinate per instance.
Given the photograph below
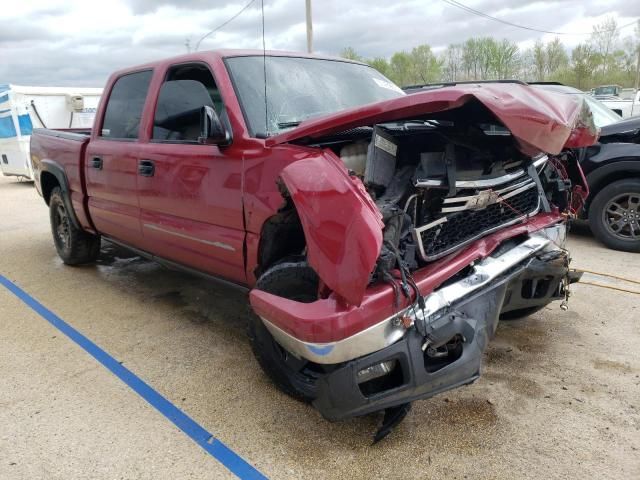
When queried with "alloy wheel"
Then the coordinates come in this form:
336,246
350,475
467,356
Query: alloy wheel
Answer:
621,216
63,230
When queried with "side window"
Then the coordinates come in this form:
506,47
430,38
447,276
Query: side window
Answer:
124,109
185,91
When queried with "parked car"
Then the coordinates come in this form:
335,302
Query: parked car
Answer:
381,234
612,169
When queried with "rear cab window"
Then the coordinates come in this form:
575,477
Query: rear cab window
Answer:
124,107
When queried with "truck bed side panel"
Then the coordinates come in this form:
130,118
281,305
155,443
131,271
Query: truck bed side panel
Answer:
67,150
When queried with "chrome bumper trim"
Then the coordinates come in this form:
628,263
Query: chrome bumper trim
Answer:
390,330
483,183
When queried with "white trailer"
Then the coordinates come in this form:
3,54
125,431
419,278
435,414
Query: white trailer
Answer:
24,108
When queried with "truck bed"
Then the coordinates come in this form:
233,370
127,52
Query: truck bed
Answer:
65,148
75,134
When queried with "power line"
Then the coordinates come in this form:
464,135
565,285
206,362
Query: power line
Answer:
224,24
473,11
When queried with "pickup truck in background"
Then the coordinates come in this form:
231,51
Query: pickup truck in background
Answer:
381,235
626,105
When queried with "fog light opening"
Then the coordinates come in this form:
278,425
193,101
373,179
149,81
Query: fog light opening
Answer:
376,371
379,377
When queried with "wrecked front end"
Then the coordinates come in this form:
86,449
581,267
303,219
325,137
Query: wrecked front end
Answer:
423,230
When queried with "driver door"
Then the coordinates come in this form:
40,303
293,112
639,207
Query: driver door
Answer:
190,194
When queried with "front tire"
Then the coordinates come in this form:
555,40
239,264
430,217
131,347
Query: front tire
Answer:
74,246
296,377
614,215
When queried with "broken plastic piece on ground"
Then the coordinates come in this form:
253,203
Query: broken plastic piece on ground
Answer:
392,417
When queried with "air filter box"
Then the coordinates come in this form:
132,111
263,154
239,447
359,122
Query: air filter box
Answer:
381,159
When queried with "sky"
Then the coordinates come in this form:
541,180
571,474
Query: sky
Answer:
80,42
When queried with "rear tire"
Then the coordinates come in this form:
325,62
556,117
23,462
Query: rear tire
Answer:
614,216
296,377
74,246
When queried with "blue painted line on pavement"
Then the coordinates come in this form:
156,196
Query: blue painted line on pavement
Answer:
234,462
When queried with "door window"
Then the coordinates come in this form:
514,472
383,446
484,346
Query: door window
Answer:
124,109
185,91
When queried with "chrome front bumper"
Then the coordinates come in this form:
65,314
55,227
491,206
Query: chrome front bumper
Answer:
391,329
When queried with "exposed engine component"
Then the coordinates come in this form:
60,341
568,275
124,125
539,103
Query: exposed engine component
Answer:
354,156
440,186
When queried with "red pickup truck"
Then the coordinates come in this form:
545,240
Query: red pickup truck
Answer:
381,235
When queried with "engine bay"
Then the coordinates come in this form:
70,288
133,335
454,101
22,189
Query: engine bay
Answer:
439,186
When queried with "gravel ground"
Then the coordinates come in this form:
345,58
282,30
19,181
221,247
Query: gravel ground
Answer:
559,396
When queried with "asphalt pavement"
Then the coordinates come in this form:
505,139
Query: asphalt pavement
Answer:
559,396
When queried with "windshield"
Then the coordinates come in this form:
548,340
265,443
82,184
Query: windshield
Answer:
302,88
602,115
609,90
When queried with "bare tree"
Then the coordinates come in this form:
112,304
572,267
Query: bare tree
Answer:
540,60
556,57
584,60
350,54
604,38
452,65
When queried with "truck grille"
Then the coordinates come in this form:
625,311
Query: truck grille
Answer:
476,216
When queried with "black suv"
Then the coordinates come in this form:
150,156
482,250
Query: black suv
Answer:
612,168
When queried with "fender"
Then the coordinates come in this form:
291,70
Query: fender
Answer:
57,171
628,167
604,159
342,226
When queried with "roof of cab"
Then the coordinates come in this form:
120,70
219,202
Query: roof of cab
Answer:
226,53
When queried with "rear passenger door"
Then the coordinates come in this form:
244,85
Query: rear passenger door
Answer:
112,160
191,203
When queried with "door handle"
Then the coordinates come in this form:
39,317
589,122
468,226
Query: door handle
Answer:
146,168
96,162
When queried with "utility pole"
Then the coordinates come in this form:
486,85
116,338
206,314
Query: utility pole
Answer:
187,43
638,67
309,28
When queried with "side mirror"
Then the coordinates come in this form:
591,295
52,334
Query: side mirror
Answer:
212,131
617,110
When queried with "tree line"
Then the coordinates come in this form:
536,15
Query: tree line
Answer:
604,58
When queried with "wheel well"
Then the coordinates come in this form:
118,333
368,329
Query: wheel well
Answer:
281,236
606,180
48,182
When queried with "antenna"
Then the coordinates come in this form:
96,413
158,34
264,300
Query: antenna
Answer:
223,24
264,69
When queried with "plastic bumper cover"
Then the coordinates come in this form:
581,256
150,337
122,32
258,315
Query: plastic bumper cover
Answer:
443,349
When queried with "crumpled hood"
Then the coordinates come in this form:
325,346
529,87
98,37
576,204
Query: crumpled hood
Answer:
343,227
539,120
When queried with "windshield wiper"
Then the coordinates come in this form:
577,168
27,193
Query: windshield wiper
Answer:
293,123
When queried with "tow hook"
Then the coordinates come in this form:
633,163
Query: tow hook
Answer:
572,276
564,305
392,418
